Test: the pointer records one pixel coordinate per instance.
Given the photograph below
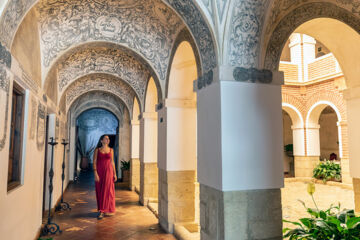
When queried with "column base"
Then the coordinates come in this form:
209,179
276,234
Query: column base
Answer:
148,183
304,165
177,200
234,215
135,174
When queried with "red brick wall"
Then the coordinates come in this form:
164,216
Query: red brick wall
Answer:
305,96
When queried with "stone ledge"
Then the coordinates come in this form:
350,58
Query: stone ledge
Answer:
181,232
317,181
153,207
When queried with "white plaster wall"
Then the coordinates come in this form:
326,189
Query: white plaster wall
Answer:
353,113
135,139
21,208
181,139
177,138
252,148
148,136
299,141
313,140
209,136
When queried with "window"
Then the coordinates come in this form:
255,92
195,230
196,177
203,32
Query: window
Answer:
16,136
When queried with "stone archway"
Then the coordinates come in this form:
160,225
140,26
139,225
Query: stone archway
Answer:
103,100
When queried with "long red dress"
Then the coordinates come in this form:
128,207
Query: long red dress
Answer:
105,189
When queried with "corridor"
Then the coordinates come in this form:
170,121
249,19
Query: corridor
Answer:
131,221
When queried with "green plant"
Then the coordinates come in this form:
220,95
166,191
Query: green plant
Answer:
331,224
288,148
125,165
327,170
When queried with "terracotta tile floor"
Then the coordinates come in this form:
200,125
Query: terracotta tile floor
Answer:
131,221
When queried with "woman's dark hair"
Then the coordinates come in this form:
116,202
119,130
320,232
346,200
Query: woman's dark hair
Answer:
99,145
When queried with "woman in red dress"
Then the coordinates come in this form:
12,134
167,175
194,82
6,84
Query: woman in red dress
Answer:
105,176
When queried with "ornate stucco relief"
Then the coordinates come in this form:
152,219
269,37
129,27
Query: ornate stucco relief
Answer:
5,56
100,82
199,29
298,16
280,8
98,99
148,26
246,25
4,104
103,60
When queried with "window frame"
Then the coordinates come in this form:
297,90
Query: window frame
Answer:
19,91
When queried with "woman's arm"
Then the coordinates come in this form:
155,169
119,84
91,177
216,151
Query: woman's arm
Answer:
113,164
94,165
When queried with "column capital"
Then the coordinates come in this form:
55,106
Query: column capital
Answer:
239,74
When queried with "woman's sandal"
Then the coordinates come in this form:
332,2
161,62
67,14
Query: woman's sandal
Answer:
100,215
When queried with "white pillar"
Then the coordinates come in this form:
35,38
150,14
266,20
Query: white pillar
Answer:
135,162
298,141
177,164
177,143
148,158
135,139
313,140
352,97
240,158
148,136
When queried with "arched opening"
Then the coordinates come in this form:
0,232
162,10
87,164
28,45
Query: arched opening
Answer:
288,145
323,131
316,67
135,147
91,124
329,137
178,145
148,148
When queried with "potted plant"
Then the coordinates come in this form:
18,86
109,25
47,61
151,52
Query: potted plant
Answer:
327,171
289,149
125,170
